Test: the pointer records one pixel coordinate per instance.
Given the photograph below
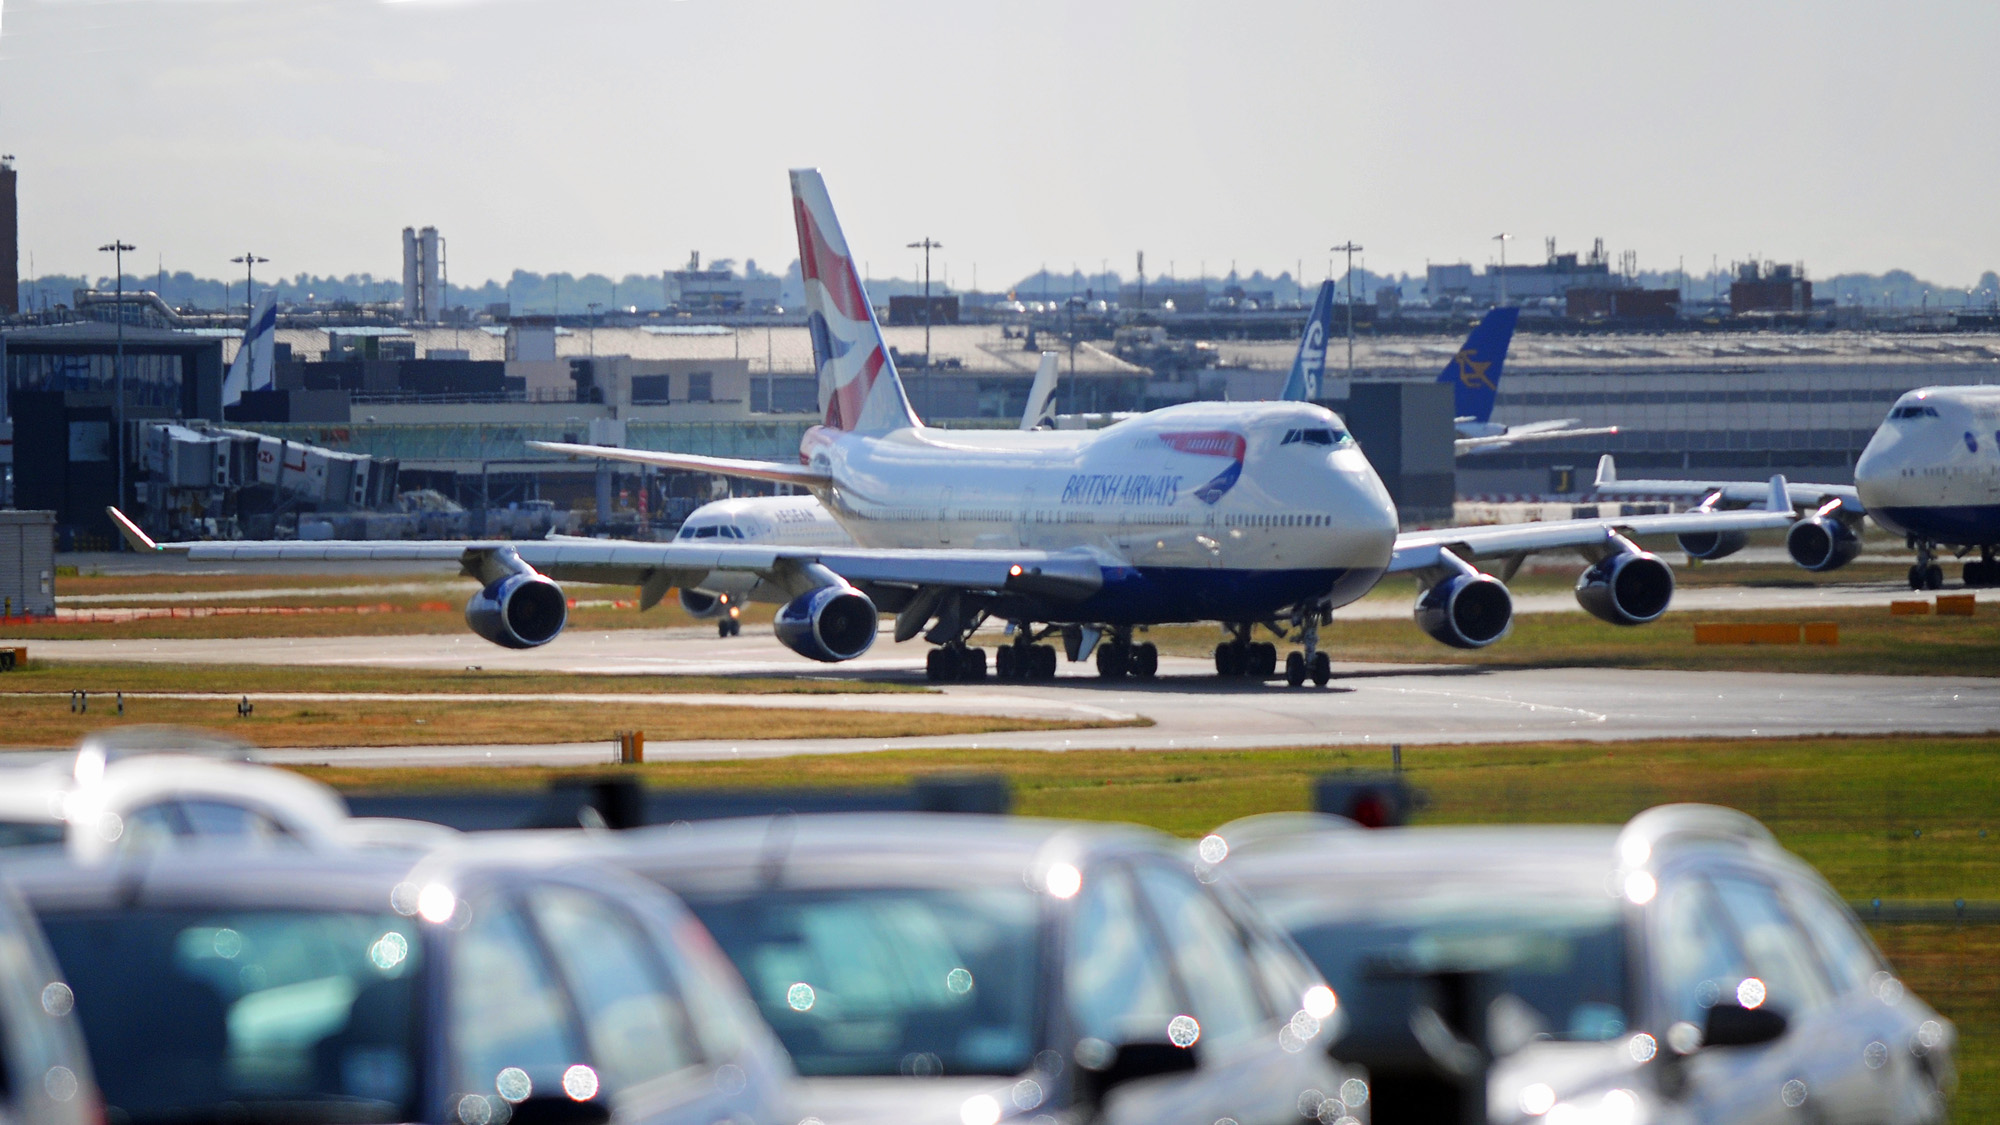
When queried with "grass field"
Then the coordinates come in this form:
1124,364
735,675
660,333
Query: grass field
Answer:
238,679
1890,818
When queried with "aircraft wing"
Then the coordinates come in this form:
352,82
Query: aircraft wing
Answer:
1805,496
695,463
1071,574
1515,435
1418,550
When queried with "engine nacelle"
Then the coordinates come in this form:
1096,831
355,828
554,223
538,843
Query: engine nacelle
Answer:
518,611
1822,543
702,606
1466,610
1707,545
828,624
1627,588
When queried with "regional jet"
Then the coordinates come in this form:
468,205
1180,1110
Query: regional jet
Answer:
1256,515
1930,473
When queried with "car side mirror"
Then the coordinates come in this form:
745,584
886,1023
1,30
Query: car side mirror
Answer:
558,1109
1129,1062
1729,1025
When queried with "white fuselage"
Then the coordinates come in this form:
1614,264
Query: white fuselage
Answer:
1932,470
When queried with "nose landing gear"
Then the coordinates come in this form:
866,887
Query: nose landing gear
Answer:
1927,574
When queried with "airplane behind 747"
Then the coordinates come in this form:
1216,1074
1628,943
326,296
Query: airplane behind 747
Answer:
1252,514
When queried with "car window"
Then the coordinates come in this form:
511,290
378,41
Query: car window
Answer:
1208,950
31,833
1700,963
1849,957
1116,981
636,1026
506,1011
1784,960
220,818
194,1014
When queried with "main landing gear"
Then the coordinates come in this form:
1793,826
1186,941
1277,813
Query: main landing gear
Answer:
1118,657
953,663
1984,572
1241,656
1927,574
1023,659
728,627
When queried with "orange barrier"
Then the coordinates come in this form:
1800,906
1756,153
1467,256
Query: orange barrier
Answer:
1748,633
1821,632
1957,605
1909,608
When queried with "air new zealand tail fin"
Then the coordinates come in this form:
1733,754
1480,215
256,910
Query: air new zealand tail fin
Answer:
1474,372
1310,363
858,386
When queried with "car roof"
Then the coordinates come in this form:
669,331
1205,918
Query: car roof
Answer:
873,849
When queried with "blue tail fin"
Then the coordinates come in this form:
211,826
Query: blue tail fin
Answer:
1303,385
1475,371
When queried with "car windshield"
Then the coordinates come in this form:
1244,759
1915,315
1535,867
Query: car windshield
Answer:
1565,959
30,833
890,980
246,1015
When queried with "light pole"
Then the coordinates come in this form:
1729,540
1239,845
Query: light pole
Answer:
1350,248
249,262
927,245
594,306
116,248
1502,238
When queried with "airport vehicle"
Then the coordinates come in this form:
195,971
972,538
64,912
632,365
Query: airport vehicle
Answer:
927,967
1930,473
455,989
255,363
1684,968
1244,513
147,788
45,1076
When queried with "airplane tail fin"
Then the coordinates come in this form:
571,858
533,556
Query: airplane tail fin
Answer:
1310,363
1042,395
1474,372
251,370
1607,471
858,386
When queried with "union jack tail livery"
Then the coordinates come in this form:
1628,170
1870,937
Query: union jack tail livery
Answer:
858,387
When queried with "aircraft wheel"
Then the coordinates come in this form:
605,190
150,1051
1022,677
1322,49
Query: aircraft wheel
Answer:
1295,668
1322,669
940,666
1146,660
1006,662
1978,574
1113,660
1230,659
972,664
1263,661
1916,578
1045,662
722,628
1934,577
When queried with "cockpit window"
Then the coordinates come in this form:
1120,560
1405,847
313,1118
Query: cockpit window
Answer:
1320,436
711,531
1919,411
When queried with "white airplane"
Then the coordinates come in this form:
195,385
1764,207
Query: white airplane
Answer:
1250,514
1930,473
252,369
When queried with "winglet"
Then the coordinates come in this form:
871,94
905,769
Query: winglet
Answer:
138,539
1780,499
1607,471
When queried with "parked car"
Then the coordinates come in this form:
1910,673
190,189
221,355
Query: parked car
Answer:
147,788
971,969
352,988
1684,968
44,1071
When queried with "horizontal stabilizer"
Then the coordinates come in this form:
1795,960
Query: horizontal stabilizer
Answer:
694,463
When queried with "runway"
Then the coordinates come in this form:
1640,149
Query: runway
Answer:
1189,708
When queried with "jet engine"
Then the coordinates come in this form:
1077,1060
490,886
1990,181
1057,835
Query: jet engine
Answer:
518,611
828,624
1822,543
1626,588
1708,545
702,606
1467,610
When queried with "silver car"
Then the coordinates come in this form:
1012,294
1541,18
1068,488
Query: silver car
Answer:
1683,969
44,1073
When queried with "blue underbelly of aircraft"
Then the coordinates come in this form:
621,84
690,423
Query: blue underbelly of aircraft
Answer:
1155,595
1965,524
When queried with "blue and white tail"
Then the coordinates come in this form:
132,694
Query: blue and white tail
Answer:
1474,373
252,369
859,390
1310,363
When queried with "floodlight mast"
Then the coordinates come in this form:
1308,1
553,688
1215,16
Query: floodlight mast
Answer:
1350,248
927,245
116,248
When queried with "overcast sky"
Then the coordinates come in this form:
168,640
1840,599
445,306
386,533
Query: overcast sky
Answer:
614,136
